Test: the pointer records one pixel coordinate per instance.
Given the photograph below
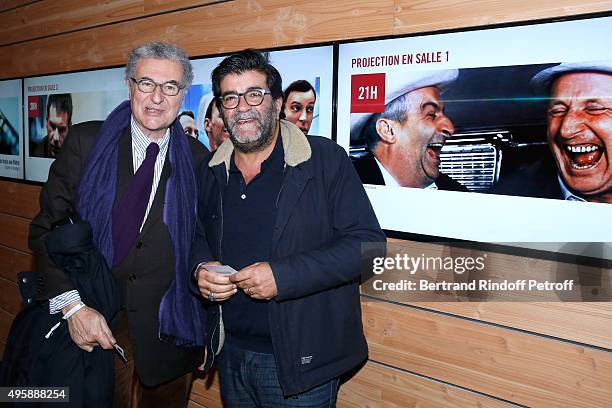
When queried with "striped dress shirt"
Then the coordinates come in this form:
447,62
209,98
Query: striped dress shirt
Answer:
139,150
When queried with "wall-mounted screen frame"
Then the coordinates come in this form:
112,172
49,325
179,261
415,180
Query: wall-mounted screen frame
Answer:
55,102
483,85
308,71
11,131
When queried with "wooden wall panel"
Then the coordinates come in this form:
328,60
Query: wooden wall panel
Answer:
497,265
205,391
211,29
13,261
569,320
160,6
223,27
14,232
19,199
415,16
11,4
49,17
581,322
513,366
378,386
10,298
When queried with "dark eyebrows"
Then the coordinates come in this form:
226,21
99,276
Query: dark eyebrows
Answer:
432,104
597,99
556,101
249,89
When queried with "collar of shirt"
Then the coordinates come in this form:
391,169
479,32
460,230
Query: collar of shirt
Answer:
140,143
567,194
276,160
390,181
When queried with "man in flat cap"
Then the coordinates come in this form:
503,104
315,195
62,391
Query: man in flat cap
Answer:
405,140
579,118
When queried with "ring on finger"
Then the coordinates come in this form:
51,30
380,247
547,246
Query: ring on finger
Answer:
249,291
211,296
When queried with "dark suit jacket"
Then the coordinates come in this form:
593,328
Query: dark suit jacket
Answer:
146,272
370,173
41,148
537,180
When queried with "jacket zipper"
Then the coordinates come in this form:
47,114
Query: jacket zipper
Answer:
282,185
218,325
221,235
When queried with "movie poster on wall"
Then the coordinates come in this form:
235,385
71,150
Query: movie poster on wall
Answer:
309,106
11,132
56,102
494,135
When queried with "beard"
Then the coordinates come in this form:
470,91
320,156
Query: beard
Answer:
263,136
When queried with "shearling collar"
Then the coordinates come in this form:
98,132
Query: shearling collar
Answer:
295,146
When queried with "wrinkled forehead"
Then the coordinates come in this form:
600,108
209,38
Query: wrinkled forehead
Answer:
597,85
419,98
159,70
303,97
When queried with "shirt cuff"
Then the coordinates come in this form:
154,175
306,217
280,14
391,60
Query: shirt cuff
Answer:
57,303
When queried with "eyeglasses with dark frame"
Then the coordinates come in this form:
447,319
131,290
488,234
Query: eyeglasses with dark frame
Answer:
253,97
146,85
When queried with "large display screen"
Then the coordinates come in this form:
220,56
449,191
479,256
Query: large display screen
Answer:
55,102
11,132
307,98
494,135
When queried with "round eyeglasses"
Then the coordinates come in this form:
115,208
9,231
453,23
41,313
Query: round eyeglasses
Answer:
253,97
146,85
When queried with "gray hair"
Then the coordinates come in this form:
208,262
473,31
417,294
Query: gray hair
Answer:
395,110
160,50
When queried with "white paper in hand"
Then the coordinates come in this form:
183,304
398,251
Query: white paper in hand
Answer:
224,270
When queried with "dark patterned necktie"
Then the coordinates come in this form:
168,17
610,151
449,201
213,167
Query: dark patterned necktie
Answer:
129,212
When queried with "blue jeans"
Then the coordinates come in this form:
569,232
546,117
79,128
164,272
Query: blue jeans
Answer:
249,379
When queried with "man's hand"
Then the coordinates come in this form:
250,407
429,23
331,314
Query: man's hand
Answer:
213,286
257,281
88,329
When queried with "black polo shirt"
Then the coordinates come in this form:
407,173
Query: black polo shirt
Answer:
249,214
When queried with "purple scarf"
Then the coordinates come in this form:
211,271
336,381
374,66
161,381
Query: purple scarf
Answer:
181,318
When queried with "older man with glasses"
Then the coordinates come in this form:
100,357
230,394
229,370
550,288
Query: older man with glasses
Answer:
132,178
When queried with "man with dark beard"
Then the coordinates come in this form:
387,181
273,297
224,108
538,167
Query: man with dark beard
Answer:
288,212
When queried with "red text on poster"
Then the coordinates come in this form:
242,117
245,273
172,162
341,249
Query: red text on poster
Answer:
367,93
